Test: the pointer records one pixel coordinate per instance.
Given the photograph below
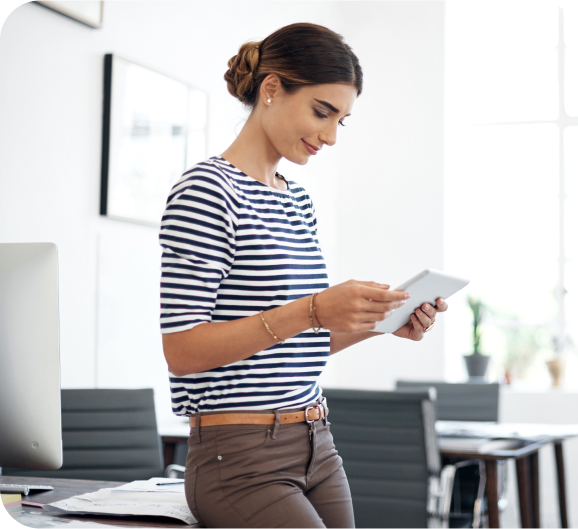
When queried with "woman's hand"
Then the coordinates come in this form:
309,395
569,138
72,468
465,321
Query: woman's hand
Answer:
421,320
356,306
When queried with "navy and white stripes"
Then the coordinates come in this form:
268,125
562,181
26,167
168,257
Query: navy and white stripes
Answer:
233,246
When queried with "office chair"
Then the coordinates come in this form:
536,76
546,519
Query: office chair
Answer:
461,402
107,434
388,443
465,402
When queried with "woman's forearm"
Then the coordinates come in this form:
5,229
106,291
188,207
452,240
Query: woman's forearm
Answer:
211,345
343,340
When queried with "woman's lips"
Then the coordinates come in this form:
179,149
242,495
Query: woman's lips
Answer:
310,148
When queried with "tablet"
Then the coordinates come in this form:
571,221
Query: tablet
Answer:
425,287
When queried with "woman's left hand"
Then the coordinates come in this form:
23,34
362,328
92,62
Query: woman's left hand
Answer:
422,320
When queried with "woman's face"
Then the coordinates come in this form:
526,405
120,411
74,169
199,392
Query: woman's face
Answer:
300,124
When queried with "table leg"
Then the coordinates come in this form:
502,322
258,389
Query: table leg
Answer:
561,483
524,491
535,487
492,492
169,452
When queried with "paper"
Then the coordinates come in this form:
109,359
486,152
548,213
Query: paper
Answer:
527,431
130,500
154,485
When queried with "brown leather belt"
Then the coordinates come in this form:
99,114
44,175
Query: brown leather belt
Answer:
308,415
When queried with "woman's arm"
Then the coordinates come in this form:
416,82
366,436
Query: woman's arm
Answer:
351,307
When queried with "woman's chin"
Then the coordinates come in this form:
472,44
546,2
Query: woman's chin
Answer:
298,159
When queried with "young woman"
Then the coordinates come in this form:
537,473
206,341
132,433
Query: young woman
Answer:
247,315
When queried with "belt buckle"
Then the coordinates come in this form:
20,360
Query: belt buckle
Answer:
306,417
317,407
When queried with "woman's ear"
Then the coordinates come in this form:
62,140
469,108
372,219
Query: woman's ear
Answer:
270,88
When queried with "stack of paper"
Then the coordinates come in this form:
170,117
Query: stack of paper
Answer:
12,502
477,445
155,497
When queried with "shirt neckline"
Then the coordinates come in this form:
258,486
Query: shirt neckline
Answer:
272,189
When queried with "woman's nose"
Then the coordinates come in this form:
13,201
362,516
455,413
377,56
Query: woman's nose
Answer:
329,136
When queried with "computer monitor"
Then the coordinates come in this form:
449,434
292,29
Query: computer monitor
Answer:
30,416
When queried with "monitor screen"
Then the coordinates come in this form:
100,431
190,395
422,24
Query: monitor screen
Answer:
30,416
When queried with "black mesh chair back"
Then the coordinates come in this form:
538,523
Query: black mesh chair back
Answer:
389,448
107,434
461,402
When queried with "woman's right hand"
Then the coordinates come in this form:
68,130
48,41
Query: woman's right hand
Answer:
356,306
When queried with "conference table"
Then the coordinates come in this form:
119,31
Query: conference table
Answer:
458,439
35,516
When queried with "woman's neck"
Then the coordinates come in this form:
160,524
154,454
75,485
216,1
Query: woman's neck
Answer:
252,153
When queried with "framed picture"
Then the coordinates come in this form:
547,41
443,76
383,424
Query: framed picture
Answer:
153,128
87,11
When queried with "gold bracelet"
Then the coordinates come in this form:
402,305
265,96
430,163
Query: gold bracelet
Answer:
270,331
315,312
311,311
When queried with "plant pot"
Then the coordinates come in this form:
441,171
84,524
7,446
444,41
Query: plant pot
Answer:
477,365
556,369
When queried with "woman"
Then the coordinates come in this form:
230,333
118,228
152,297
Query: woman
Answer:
247,315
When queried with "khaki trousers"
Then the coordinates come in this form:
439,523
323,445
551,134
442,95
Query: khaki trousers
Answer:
286,475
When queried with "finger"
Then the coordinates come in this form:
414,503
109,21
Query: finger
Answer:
424,319
380,294
368,317
381,306
373,284
441,305
417,327
429,311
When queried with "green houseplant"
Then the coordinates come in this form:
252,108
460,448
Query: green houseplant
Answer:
477,362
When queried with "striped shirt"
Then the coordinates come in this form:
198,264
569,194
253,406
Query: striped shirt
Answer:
233,246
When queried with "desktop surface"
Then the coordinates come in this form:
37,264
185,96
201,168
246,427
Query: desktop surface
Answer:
66,488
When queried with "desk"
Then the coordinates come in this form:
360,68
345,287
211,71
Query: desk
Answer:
532,437
65,488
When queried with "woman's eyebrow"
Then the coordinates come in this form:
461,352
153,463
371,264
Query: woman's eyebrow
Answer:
329,106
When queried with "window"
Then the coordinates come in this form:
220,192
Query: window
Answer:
511,182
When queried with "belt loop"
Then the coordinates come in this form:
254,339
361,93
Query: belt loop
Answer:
325,409
276,427
197,432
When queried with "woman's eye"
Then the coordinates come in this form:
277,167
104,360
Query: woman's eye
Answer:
342,124
320,114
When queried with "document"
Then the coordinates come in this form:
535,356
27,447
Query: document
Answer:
139,498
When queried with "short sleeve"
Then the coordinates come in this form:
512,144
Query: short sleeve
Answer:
198,240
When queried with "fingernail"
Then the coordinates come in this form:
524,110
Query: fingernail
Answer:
403,301
406,295
426,307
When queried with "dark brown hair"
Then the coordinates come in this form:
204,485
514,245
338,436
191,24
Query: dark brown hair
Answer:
300,54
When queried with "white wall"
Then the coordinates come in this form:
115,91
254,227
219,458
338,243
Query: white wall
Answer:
378,192
389,184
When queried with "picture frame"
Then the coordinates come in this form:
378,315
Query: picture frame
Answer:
87,12
154,126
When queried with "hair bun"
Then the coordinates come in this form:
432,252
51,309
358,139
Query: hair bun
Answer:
242,66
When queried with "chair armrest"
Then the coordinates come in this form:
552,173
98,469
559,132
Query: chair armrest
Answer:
440,497
172,470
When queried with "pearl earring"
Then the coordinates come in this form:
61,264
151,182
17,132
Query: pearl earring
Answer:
268,101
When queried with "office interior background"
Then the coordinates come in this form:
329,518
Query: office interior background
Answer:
461,155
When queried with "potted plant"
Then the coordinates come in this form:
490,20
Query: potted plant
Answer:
556,365
477,363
